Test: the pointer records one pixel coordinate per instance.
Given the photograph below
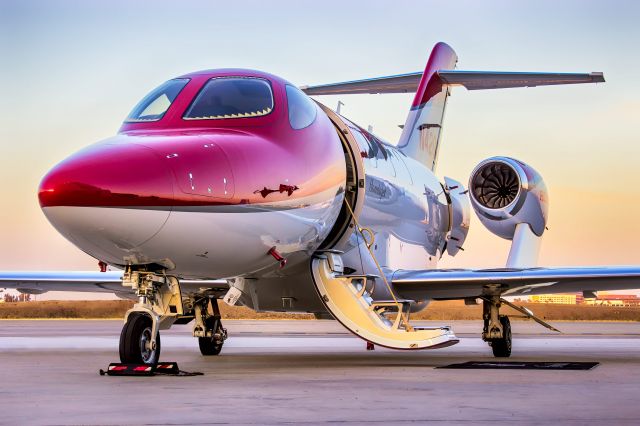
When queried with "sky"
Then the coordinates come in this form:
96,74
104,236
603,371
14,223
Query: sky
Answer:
70,71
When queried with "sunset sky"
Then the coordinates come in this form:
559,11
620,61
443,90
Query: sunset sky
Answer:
72,70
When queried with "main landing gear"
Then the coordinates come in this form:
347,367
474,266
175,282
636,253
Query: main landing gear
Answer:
213,345
160,305
497,328
208,328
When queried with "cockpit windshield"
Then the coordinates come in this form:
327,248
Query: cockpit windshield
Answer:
232,97
153,106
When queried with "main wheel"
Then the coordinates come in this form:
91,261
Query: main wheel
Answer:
209,345
502,347
135,341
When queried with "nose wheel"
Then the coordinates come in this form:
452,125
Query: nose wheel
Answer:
136,346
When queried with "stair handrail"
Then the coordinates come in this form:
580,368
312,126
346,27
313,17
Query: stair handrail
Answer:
361,230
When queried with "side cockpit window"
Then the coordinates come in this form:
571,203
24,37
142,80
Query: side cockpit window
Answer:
153,106
232,97
302,110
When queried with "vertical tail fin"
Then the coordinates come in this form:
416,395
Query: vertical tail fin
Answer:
421,133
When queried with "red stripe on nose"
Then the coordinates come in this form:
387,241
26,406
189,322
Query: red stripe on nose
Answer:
119,175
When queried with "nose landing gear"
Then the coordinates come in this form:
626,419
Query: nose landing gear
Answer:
160,305
136,344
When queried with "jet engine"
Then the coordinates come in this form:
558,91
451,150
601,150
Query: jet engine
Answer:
505,193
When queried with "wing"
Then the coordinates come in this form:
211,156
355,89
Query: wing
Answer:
95,282
472,80
458,283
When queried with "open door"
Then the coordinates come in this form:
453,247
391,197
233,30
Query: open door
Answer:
382,322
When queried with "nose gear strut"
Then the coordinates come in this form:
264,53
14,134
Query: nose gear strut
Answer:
160,305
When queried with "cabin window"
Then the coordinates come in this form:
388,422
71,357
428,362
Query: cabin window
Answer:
232,97
367,149
302,110
153,106
379,150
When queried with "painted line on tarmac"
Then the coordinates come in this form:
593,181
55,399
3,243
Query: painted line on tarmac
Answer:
326,343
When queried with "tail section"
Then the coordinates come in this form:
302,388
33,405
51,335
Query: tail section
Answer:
420,137
421,133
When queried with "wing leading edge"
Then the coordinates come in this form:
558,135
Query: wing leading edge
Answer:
471,80
40,282
458,283
95,282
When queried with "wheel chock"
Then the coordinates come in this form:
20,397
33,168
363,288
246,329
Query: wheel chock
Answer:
120,369
164,368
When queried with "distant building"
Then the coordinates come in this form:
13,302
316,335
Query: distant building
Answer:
560,299
16,298
615,300
603,299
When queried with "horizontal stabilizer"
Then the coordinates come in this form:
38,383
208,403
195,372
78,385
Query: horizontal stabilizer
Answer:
403,83
472,80
479,80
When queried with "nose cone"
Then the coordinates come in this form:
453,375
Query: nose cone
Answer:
108,176
108,199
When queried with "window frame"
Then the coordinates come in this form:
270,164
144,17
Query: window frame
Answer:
129,120
315,116
204,85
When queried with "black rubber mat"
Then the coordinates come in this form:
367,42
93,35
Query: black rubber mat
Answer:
522,365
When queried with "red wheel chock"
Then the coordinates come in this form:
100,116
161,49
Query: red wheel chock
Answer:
164,368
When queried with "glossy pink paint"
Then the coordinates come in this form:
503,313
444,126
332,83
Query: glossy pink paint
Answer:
442,57
178,162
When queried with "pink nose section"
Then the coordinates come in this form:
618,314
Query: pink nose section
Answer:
109,200
123,175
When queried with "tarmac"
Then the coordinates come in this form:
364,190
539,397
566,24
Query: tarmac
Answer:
314,372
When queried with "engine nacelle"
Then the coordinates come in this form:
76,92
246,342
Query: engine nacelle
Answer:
505,193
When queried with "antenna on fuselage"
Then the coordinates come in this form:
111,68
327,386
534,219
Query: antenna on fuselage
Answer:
340,103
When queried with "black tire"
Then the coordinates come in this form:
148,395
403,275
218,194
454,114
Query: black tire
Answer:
136,331
208,345
502,347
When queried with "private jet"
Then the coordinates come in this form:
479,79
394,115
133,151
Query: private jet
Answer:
235,185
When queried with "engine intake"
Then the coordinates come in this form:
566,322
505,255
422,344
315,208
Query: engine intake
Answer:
495,185
505,193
